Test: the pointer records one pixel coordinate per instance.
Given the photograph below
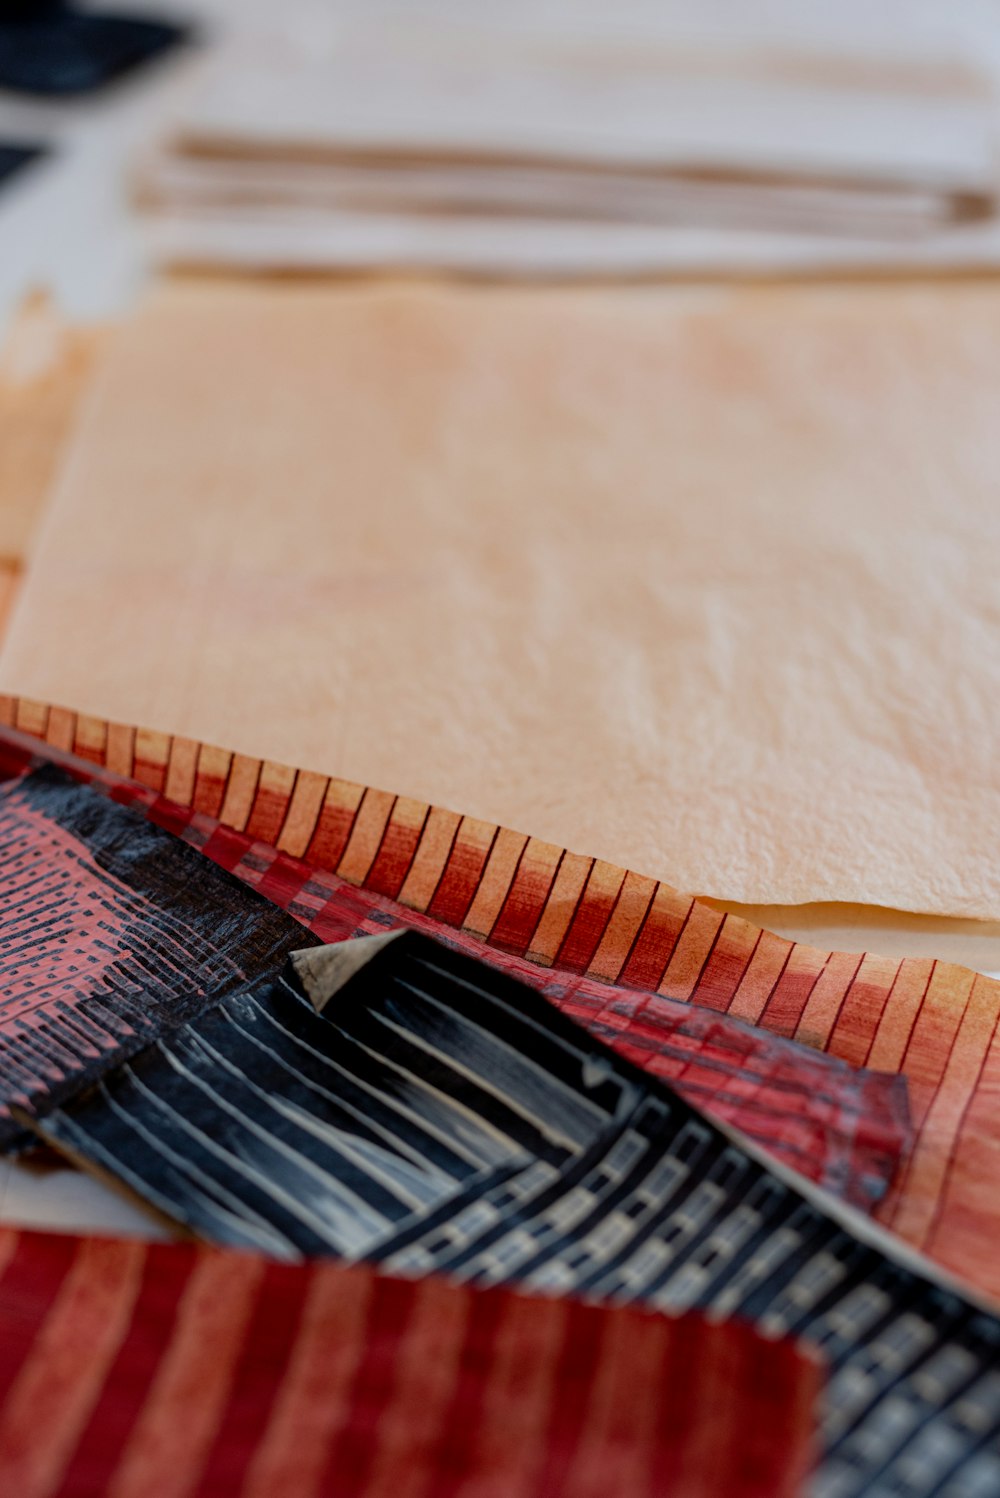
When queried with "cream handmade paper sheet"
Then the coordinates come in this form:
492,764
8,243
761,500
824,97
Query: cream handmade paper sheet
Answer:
45,365
703,582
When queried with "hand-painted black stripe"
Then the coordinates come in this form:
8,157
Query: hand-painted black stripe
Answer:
280,1154
373,1070
563,1053
181,1192
365,1111
523,1078
422,1063
322,1141
192,1154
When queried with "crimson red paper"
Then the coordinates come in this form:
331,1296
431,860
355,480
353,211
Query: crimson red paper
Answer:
130,1370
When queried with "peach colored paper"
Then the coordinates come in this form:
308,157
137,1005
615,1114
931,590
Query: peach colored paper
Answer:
702,582
45,363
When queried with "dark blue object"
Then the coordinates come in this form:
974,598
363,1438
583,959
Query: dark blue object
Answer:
13,157
49,48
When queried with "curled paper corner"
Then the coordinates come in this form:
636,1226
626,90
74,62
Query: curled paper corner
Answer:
323,971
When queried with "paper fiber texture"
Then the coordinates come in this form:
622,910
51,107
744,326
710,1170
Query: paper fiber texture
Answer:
325,1380
45,365
699,582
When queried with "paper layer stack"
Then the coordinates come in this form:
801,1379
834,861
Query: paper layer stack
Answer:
639,143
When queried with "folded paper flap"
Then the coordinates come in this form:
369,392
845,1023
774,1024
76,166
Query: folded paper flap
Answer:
802,1106
323,971
478,1031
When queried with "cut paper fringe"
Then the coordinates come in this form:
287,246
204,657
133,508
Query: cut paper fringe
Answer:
844,1128
935,1023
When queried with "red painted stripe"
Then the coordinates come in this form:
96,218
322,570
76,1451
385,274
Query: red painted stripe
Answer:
785,1400
653,949
588,925
151,773
510,1439
130,1378
350,1460
677,1414
395,856
787,1002
313,1398
191,1388
333,833
270,1338
209,793
424,1377
522,910
60,1381
267,814
459,882
29,1285
722,973
575,1369
453,1461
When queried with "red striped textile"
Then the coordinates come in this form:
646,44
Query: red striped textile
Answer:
846,1129
130,1370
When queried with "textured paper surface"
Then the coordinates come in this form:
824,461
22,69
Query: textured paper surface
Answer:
45,364
702,583
325,1380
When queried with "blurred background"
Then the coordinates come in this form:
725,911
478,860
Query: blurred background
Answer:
526,140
